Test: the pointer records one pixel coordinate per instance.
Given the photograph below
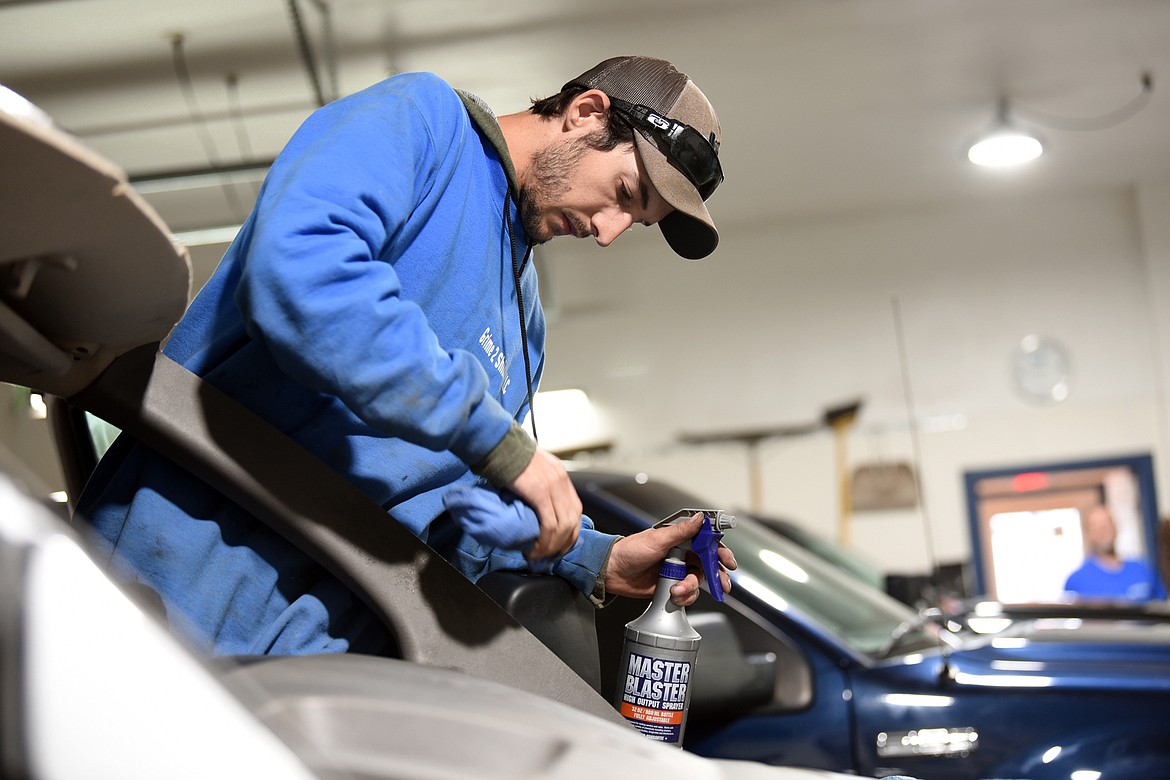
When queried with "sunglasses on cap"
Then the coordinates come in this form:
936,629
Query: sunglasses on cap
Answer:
684,146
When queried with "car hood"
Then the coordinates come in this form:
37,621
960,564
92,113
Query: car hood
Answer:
1067,652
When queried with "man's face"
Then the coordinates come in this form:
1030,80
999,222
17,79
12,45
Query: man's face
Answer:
1100,532
573,189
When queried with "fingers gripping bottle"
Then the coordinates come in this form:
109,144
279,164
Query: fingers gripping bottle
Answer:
654,677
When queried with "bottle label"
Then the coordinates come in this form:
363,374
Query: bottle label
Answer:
655,696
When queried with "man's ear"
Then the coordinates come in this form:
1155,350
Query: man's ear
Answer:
585,111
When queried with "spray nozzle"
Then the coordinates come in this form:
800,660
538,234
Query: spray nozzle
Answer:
705,543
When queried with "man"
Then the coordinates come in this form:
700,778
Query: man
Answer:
1104,575
380,307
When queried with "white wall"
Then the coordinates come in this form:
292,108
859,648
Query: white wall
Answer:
790,319
1153,203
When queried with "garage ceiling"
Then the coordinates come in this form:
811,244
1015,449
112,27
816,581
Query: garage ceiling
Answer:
828,106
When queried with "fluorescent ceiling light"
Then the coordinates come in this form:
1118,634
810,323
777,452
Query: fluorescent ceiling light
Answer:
208,236
567,420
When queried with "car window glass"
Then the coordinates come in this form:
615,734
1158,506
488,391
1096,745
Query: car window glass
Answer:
785,576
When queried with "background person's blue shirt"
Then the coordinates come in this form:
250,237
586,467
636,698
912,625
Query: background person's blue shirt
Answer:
1134,581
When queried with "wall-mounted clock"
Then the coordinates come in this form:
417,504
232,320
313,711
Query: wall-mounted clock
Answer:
1041,371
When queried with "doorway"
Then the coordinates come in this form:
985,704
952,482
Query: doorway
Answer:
1026,522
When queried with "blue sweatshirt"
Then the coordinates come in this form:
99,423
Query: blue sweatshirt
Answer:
367,309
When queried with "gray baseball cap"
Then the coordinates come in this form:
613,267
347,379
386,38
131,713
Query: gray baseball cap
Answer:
677,136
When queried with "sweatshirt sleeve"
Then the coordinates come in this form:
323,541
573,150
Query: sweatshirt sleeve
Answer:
484,530
583,565
315,291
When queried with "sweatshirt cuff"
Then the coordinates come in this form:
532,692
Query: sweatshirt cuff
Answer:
598,597
584,566
507,459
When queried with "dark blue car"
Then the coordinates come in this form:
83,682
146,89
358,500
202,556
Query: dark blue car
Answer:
838,675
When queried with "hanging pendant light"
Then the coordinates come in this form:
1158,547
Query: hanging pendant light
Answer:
1005,144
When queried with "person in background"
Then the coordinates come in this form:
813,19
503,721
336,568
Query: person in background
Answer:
1104,574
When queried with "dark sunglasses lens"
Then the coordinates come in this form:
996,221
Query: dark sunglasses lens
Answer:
692,152
688,151
707,189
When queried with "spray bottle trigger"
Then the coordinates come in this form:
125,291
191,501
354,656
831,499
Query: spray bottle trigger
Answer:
705,543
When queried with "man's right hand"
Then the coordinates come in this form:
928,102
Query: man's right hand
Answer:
545,486
634,563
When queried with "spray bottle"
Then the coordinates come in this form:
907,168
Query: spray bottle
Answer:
654,677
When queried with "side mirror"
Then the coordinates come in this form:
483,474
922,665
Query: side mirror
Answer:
728,682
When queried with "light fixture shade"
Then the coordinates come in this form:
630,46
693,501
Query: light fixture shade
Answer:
1004,146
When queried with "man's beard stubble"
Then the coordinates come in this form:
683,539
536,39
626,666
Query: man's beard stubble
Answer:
550,176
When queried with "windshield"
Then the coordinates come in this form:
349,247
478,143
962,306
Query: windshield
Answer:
831,551
782,574
786,576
